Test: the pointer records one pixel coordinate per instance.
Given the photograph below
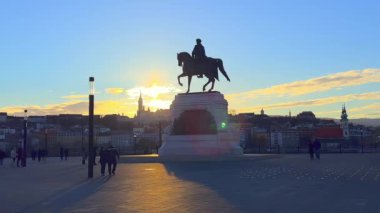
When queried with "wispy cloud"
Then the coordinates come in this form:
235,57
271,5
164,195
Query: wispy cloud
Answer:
316,102
320,84
155,97
76,96
115,90
74,107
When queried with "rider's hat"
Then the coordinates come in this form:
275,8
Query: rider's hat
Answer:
199,40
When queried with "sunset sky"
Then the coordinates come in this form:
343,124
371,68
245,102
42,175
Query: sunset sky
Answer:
280,55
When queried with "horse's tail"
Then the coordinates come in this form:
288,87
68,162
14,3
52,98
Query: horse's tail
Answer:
219,63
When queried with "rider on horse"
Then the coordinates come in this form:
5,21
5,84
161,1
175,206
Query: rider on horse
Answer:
199,54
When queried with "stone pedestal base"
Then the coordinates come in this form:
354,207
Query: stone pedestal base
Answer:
224,143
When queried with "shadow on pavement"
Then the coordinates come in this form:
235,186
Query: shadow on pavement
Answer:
224,178
69,197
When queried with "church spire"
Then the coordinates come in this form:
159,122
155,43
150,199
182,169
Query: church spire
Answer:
344,115
141,105
344,122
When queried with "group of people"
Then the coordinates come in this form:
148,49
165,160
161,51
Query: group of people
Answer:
63,153
109,157
315,148
40,154
17,155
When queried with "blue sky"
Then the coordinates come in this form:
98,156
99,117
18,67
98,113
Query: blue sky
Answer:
50,48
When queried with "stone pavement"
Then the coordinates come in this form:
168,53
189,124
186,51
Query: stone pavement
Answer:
286,183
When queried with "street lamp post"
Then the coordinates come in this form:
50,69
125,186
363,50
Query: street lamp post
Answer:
25,136
159,135
134,143
46,151
91,129
361,140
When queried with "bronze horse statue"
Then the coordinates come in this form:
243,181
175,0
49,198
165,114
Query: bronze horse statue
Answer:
209,68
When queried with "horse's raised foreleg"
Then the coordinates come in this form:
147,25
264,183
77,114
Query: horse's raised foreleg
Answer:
212,85
204,86
188,83
179,81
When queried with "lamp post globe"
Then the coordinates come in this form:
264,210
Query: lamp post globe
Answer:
92,85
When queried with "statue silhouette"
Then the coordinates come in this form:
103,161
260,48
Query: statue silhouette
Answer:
191,67
199,53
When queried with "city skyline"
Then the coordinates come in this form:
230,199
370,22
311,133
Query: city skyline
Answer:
295,56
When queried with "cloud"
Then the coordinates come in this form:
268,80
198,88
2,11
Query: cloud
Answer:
155,97
76,96
153,91
320,84
115,90
315,102
74,107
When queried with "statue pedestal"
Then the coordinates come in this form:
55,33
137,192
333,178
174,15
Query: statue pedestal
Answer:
225,142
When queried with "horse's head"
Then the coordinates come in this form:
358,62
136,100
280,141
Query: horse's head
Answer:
179,60
183,57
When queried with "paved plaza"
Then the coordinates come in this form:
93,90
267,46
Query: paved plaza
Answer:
273,183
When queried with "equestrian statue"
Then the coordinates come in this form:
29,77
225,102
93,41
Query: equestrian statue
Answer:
199,64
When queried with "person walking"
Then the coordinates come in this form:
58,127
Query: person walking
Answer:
61,153
84,155
33,154
311,150
44,154
13,155
19,156
102,160
112,157
317,148
95,148
39,155
2,156
66,153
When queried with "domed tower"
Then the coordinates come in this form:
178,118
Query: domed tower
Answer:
344,122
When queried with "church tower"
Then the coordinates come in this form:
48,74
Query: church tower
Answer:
141,106
344,123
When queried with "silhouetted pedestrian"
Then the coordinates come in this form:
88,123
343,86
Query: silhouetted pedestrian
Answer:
317,148
33,153
19,156
95,148
84,156
311,150
2,156
102,160
13,155
61,153
39,154
66,153
112,157
44,154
